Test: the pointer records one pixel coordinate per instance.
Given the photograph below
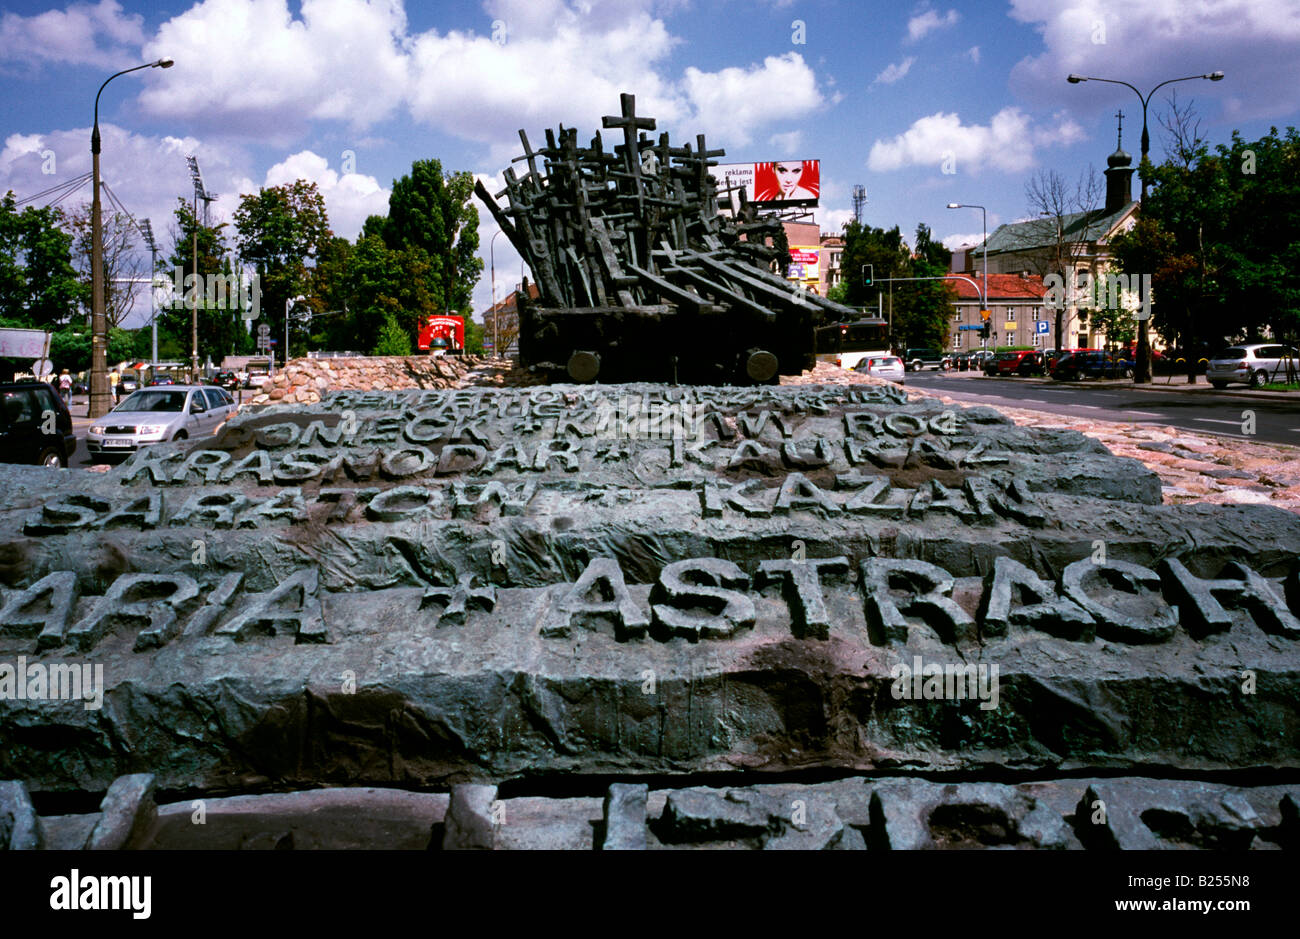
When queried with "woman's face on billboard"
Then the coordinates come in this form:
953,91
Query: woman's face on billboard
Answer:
788,175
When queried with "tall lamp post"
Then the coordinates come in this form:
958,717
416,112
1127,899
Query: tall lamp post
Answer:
287,305
1142,367
984,223
100,394
496,329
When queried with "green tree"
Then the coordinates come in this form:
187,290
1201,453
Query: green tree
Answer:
280,232
920,310
393,339
39,287
1217,237
221,325
923,309
473,337
436,213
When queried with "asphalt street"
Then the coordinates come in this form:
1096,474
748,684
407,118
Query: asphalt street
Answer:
1198,408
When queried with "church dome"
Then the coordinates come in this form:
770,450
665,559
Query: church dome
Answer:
1119,158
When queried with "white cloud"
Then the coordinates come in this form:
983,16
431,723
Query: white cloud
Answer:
83,34
832,221
787,144
476,88
1146,43
349,199
1006,143
734,101
894,71
974,53
341,61
928,21
953,242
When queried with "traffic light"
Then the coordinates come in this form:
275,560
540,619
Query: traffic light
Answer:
984,330
867,275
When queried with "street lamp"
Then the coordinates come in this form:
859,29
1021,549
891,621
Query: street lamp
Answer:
1142,367
496,329
100,394
984,303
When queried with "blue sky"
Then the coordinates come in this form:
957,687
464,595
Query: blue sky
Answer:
922,103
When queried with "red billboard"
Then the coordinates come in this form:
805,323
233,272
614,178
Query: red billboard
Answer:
772,185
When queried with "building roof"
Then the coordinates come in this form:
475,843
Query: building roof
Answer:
506,306
1002,287
1041,232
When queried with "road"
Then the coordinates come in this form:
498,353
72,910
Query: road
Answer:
1277,418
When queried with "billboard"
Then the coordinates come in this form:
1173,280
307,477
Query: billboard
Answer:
804,260
772,185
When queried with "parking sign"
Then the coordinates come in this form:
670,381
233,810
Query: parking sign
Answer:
1041,327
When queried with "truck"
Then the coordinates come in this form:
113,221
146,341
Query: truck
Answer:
442,335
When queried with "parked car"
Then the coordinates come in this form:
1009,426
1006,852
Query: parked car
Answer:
1253,364
227,380
889,367
153,415
917,359
1009,363
160,380
127,384
1092,363
80,387
25,434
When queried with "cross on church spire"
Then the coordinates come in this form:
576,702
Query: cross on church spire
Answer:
1119,135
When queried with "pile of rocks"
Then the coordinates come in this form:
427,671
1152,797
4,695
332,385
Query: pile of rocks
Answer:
304,381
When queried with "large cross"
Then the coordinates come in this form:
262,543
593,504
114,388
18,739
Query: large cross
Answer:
1119,135
459,599
630,124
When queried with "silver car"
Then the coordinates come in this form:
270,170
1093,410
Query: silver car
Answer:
888,367
1253,364
153,415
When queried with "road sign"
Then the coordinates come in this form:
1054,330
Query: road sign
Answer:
42,367
984,315
264,330
1041,327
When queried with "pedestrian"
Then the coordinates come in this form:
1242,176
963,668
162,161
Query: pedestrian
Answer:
114,382
65,386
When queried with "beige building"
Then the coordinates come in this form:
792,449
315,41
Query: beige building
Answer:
1078,251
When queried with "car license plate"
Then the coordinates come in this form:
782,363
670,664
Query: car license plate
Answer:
118,442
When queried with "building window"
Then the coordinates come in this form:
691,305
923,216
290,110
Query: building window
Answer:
1011,314
1038,340
956,316
956,340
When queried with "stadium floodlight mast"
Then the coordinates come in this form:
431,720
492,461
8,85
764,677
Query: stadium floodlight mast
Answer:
1142,367
100,394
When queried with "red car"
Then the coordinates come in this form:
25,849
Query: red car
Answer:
1019,362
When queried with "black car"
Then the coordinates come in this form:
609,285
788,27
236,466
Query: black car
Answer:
27,435
1074,366
227,380
916,360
